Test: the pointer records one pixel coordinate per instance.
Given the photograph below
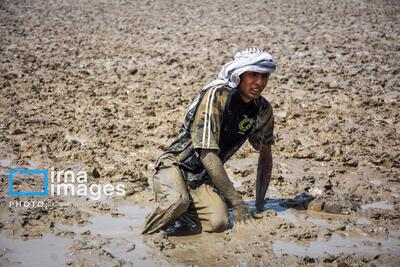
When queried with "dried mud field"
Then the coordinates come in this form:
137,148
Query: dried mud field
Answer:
102,86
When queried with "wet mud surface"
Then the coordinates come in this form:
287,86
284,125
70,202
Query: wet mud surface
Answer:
102,86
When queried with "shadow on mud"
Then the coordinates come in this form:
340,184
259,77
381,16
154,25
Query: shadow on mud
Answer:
299,202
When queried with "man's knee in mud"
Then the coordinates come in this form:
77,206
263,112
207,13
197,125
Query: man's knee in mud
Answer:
217,223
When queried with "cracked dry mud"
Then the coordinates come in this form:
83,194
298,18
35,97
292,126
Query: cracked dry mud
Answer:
102,86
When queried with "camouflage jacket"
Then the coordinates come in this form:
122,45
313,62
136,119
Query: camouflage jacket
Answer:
202,127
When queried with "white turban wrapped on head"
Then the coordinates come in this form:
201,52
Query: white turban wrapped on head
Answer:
249,59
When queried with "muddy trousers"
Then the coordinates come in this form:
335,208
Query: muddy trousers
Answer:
173,199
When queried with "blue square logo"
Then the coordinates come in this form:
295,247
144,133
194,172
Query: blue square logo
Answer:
19,171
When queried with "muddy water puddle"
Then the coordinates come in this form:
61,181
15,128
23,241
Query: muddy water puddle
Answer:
122,230
338,244
125,233
49,250
117,233
335,244
378,205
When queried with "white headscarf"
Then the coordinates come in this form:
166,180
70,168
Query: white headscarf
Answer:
249,59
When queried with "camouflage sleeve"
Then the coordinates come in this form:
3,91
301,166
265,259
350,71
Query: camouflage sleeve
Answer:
263,133
206,126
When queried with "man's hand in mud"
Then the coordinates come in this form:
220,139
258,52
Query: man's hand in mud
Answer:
260,205
243,214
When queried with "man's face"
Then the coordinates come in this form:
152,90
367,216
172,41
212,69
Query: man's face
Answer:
252,84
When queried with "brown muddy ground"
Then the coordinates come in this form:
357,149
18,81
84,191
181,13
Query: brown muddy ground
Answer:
102,86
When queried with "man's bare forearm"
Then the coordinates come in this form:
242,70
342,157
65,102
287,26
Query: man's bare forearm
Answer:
264,171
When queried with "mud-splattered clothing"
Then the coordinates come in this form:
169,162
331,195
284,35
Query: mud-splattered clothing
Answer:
218,120
222,121
203,204
214,117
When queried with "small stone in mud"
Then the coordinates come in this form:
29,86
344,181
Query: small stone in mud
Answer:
132,70
116,214
101,206
328,185
327,233
79,245
161,241
96,173
341,228
246,172
164,245
106,254
305,235
285,226
315,192
307,260
332,207
316,205
348,161
31,235
322,157
17,132
270,213
131,247
69,234
330,259
130,191
237,251
86,233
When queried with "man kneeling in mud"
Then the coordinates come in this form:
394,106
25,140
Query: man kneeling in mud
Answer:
190,178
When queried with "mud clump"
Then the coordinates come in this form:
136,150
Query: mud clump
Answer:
334,204
161,241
